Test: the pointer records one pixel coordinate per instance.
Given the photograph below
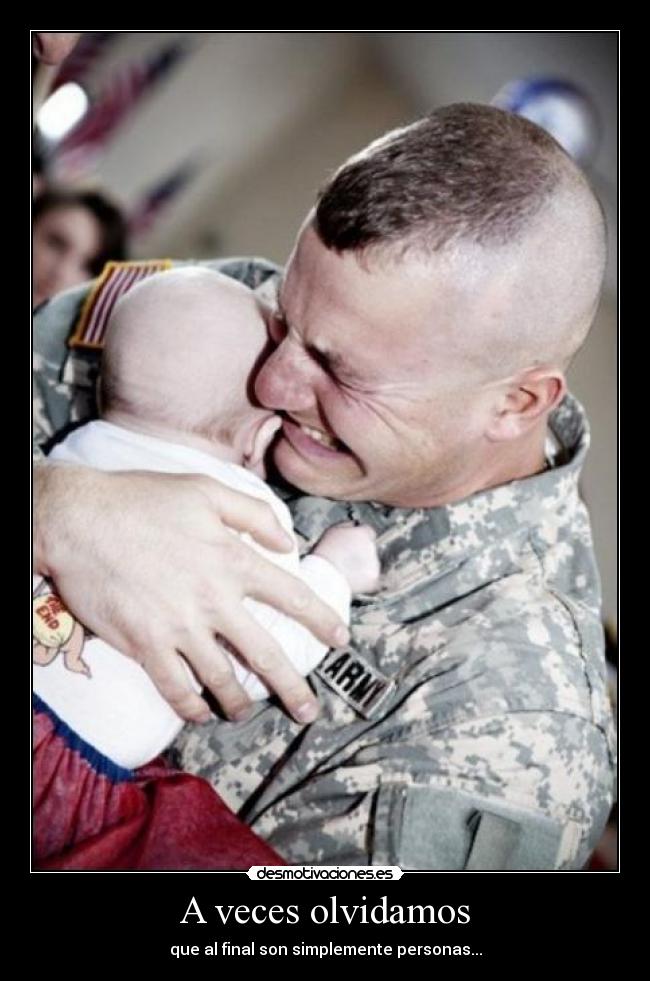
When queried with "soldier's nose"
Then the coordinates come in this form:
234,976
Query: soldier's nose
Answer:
283,383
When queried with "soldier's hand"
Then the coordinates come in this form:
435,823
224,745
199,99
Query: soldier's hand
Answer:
150,564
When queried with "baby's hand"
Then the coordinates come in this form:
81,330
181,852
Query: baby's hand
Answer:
351,549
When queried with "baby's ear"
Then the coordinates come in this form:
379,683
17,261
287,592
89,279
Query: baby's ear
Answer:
259,442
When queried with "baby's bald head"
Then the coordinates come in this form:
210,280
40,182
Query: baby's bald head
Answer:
180,351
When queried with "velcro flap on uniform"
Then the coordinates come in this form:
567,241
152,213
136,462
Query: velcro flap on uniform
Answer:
117,278
495,842
446,830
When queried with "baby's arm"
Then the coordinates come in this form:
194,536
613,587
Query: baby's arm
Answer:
343,562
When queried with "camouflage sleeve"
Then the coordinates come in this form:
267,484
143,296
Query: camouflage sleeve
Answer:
522,791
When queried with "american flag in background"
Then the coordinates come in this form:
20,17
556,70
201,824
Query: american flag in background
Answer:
79,151
88,51
148,209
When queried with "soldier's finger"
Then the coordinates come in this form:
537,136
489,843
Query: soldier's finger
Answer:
171,679
213,666
265,657
245,513
269,584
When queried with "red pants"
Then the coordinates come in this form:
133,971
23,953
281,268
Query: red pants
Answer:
91,815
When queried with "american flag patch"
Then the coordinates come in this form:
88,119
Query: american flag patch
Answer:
116,279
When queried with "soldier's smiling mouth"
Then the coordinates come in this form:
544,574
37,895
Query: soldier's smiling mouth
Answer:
309,441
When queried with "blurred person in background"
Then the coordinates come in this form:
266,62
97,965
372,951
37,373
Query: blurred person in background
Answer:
74,234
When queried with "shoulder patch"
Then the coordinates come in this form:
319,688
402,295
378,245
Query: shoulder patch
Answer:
116,279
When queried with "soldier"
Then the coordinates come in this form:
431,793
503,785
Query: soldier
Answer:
425,321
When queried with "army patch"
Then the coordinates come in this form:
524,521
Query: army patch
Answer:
116,279
355,681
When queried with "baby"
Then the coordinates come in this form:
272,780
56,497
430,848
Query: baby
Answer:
180,355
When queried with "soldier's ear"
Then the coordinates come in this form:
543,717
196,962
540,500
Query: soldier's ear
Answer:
524,401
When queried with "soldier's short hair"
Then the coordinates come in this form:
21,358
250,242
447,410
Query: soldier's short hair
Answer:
464,172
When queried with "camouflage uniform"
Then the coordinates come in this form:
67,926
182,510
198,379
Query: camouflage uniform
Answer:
467,725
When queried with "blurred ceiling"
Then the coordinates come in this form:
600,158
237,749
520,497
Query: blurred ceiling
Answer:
237,97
